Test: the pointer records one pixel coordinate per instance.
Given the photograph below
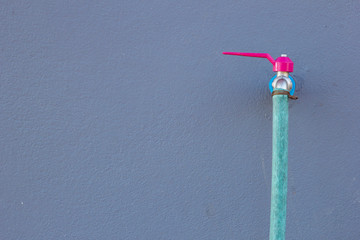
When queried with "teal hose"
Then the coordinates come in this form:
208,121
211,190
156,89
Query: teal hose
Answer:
279,167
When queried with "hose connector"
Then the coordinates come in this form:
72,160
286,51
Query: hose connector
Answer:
282,81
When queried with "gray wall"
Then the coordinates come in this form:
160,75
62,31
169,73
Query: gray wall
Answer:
122,120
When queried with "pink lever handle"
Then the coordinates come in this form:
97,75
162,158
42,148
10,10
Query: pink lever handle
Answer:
258,55
281,64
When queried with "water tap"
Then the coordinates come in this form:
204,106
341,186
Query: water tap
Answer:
282,66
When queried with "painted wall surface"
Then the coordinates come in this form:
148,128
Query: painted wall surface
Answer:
123,120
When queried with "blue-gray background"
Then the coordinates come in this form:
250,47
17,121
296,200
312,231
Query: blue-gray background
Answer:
122,120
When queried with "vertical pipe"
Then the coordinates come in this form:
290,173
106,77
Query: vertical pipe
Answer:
279,167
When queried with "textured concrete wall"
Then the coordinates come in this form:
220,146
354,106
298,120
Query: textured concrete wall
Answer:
122,120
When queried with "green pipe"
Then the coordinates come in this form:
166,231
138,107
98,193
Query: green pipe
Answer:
279,167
